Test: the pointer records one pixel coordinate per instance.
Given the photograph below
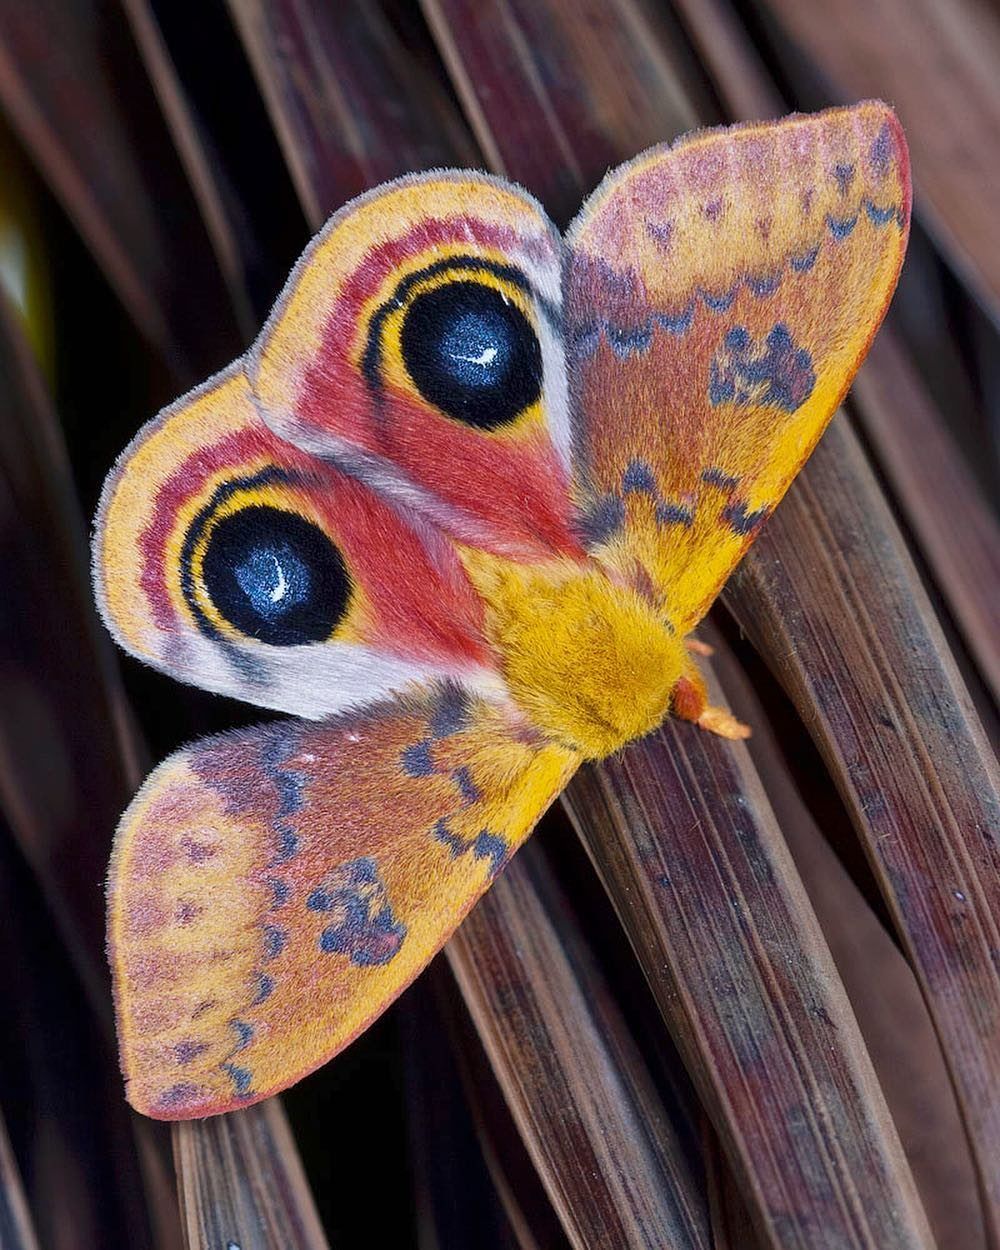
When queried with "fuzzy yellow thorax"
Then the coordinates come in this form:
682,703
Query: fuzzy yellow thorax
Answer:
588,662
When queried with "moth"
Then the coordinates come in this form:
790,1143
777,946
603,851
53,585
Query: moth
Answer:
456,514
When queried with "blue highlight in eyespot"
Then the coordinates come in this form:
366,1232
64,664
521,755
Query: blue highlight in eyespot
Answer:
274,579
476,349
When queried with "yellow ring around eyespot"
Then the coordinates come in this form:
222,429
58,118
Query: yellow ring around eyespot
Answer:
466,268
182,522
282,497
462,254
229,507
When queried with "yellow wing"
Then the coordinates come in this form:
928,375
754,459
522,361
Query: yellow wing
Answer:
722,293
274,889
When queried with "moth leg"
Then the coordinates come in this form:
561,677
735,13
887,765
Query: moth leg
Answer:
720,721
696,647
690,702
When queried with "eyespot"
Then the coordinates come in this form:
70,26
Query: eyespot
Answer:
462,334
472,352
268,573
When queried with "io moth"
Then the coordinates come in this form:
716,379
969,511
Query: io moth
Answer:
455,513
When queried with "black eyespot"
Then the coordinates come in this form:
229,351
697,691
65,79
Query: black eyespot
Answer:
275,576
472,353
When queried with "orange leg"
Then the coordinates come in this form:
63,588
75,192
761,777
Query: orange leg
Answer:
690,702
717,720
696,647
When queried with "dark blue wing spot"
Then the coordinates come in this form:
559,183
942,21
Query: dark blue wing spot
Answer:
184,1052
748,372
677,323
265,988
763,285
639,478
275,940
741,521
880,216
880,152
718,477
805,262
280,891
605,518
179,1094
363,926
417,760
841,227
625,343
242,1078
844,176
319,900
467,788
451,713
244,1033
718,303
492,847
673,514
451,840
